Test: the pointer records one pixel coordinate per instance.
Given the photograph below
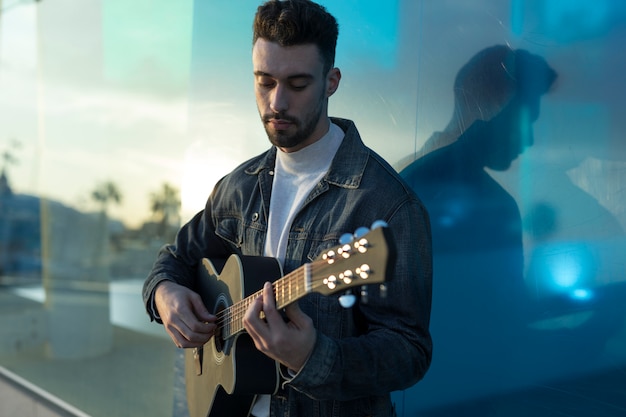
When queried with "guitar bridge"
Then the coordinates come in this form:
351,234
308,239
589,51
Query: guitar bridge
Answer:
198,354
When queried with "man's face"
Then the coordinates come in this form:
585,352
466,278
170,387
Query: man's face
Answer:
291,93
511,133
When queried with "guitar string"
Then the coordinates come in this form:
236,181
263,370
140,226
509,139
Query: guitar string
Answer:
288,281
237,309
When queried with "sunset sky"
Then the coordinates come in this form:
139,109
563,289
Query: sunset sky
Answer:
111,91
150,91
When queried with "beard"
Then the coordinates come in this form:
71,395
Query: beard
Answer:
304,128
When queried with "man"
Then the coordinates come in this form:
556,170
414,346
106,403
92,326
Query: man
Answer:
294,201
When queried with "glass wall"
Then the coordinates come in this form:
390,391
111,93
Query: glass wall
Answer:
117,117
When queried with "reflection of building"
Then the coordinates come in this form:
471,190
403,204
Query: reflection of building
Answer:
20,235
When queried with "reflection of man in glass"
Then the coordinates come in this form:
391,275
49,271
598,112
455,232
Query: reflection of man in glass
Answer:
477,239
492,81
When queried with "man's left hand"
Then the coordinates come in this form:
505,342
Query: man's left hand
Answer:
288,342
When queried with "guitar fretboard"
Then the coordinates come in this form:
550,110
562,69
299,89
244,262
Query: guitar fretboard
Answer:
287,289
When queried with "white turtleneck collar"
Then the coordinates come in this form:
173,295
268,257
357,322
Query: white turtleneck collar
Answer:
312,159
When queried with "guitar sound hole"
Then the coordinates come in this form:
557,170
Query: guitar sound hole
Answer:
220,305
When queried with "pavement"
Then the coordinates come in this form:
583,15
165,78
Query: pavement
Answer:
133,378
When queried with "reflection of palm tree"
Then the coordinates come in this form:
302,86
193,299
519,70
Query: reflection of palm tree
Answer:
105,193
8,158
165,205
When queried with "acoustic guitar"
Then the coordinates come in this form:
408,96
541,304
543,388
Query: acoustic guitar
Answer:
228,372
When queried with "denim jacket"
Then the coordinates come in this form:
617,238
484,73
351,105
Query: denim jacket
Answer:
361,353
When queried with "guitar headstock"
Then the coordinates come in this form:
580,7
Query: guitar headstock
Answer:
360,260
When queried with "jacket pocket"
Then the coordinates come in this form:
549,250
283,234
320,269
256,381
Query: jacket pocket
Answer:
230,229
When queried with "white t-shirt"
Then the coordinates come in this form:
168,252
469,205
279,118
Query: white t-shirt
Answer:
295,176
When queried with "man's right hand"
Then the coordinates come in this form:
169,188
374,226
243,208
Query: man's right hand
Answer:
184,315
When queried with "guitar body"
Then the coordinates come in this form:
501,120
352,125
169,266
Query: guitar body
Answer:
225,375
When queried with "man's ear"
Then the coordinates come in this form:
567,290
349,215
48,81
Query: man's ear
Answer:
332,81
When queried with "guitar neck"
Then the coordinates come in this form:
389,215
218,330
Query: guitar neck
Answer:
287,290
361,261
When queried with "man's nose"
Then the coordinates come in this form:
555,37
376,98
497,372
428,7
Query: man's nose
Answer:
279,100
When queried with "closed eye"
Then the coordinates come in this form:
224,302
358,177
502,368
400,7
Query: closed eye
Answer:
295,82
298,86
266,82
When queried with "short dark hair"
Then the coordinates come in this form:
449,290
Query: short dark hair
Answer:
496,75
298,22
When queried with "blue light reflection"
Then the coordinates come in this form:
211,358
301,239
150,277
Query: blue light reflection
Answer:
582,294
563,268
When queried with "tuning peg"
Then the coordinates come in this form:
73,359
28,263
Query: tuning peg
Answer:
379,223
361,231
347,300
346,238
